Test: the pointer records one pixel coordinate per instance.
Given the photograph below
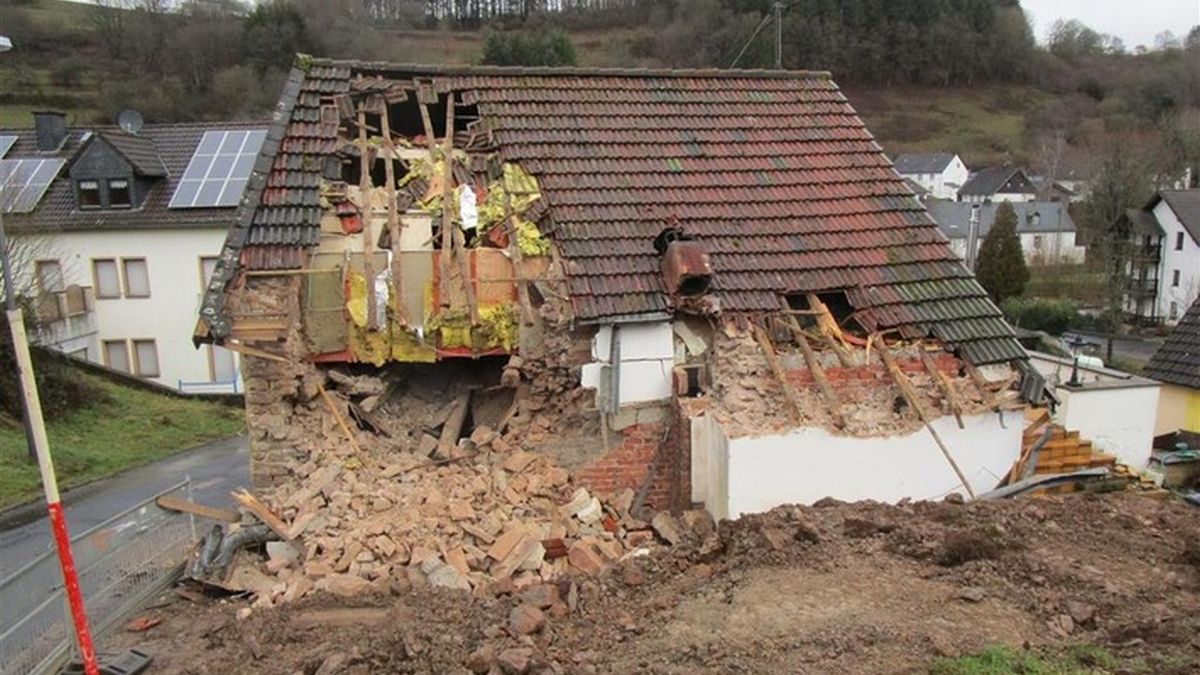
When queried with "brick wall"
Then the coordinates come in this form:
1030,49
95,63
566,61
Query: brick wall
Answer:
629,463
947,364
271,386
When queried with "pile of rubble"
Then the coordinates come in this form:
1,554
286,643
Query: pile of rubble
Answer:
482,514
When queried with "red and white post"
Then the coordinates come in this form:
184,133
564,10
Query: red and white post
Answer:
41,446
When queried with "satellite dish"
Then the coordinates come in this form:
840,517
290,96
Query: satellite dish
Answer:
131,121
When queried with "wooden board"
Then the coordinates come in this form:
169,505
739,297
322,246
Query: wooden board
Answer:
184,506
262,512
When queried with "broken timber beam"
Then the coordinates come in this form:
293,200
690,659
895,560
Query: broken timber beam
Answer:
447,195
944,384
394,225
173,503
514,249
764,342
262,512
364,195
341,421
910,395
818,373
247,350
454,423
830,329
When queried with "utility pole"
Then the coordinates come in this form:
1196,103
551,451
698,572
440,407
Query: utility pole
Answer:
972,237
41,446
778,35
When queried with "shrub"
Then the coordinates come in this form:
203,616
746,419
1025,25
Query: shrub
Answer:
1051,315
528,48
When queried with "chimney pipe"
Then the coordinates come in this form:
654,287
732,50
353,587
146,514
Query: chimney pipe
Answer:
51,128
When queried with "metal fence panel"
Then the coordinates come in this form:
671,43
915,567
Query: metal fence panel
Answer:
121,562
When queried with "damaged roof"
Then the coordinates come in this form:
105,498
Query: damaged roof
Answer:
773,171
1177,361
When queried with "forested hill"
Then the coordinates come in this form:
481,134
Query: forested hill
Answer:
961,75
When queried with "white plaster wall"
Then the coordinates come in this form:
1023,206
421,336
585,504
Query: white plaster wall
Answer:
647,360
810,463
1060,245
710,465
169,315
1186,261
1117,420
953,178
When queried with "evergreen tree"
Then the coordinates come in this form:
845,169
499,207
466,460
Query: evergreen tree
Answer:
1001,266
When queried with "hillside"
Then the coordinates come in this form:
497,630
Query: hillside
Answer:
213,61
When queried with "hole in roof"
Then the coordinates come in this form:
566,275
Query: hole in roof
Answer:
838,302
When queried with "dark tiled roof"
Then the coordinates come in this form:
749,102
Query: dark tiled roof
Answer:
174,144
988,181
1143,223
138,150
1186,205
923,162
1178,360
1032,217
774,171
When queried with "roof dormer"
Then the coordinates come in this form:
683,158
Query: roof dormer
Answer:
116,170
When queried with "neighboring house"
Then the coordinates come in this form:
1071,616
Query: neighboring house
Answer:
1112,409
941,174
1164,257
1177,365
998,184
1046,229
639,244
127,227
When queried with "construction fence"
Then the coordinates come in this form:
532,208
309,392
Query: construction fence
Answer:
122,563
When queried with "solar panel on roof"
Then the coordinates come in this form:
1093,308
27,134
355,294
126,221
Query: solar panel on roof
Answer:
24,181
219,169
6,143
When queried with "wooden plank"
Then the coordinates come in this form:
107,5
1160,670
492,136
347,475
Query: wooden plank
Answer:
910,394
789,393
173,503
514,250
830,329
341,421
368,232
818,373
247,350
454,423
430,138
261,511
395,225
944,384
447,195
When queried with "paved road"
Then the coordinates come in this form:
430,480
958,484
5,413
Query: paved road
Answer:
215,469
1127,347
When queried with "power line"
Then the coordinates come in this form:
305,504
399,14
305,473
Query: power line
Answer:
776,14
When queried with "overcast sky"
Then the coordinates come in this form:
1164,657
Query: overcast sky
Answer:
1136,22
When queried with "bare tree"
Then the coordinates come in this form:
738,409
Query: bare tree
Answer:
110,19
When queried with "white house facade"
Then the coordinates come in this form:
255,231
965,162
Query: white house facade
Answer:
1046,229
1178,214
125,235
941,174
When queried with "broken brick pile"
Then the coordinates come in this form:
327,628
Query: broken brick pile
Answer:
484,516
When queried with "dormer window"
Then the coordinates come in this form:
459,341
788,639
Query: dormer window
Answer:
118,194
89,194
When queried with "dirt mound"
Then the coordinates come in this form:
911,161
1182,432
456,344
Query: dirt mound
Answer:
834,587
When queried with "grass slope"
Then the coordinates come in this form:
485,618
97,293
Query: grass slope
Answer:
129,428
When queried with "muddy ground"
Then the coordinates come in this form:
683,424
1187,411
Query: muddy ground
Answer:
833,588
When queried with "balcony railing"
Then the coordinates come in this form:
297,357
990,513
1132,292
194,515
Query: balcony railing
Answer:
1143,286
60,316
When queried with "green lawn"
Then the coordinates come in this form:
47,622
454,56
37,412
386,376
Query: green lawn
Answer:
1077,660
129,428
1083,284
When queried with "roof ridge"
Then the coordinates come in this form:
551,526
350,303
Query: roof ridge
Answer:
305,63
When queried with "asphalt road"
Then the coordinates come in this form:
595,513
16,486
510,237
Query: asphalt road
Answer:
215,469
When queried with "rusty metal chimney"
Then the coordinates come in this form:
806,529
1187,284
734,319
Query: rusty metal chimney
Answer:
686,268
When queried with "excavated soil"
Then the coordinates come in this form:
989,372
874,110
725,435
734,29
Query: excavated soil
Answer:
833,588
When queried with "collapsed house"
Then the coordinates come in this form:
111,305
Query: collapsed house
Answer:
692,287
